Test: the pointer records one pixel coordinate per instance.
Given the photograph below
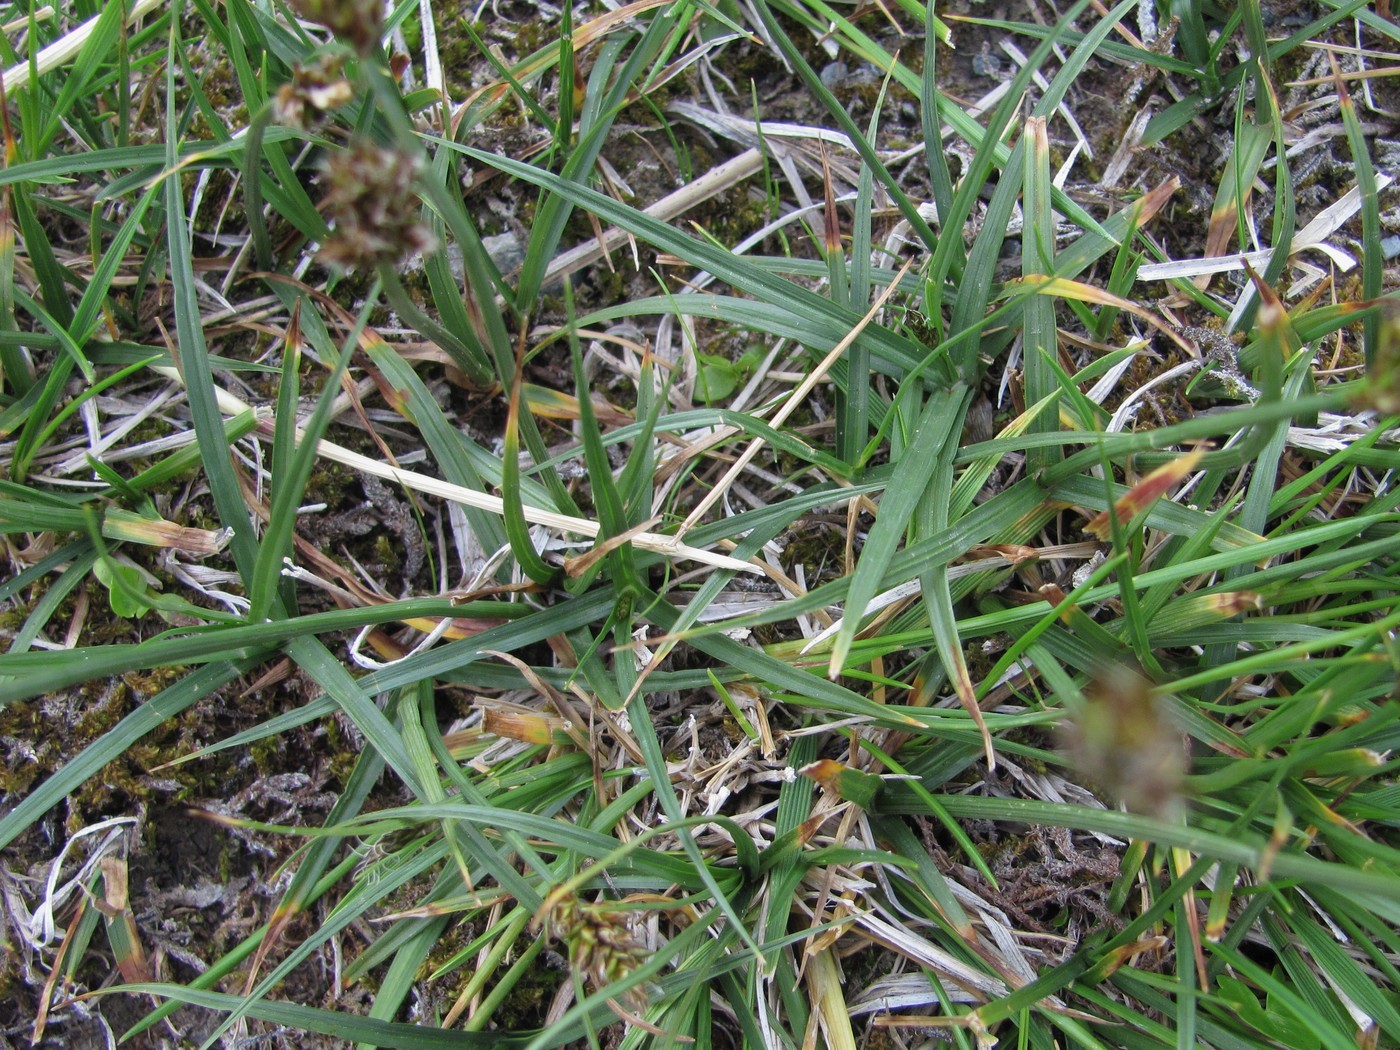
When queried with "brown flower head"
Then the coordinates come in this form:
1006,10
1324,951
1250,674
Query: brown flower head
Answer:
601,940
1124,740
374,211
317,87
359,23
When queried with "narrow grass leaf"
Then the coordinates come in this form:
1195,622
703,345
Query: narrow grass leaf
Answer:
838,112
1284,997
1040,344
192,352
1372,260
930,117
907,487
797,302
1236,183
445,443
30,674
602,103
517,528
336,1023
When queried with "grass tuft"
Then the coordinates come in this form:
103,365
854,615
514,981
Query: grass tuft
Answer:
719,525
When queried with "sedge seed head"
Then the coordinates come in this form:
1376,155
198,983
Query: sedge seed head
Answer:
317,87
359,23
372,203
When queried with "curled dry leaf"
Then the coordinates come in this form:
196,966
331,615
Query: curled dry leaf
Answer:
1144,493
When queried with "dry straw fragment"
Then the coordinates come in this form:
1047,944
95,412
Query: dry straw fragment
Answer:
669,546
66,48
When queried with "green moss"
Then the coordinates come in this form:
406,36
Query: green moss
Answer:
149,683
12,618
226,861
610,286
818,549
529,1000
220,85
387,551
1013,847
979,663
511,115
266,754
458,55
419,288
919,326
351,287
333,485
342,757
530,37
866,93
732,217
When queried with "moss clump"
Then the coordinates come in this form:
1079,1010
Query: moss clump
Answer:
387,551
13,617
530,37
342,757
157,679
732,217
820,550
529,1000
979,663
333,485
1010,848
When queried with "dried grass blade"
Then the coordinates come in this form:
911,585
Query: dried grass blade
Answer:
67,47
794,399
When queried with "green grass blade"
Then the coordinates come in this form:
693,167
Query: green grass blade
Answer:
907,488
1041,341
838,112
1372,262
930,111
193,352
294,461
335,1023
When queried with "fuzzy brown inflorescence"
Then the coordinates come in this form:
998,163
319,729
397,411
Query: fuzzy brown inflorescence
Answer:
371,202
359,23
601,941
317,87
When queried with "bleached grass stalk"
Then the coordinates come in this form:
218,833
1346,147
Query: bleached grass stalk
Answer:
793,401
668,546
66,48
